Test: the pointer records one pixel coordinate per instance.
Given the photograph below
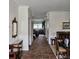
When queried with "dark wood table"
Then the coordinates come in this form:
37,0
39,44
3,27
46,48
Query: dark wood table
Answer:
16,44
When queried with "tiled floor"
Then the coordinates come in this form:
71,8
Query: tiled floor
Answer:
39,50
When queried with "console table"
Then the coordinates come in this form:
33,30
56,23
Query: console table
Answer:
15,48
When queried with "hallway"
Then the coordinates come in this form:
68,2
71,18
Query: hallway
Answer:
39,50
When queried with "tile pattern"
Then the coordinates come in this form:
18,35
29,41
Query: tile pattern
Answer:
40,49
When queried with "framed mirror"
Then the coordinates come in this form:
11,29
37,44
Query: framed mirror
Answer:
14,28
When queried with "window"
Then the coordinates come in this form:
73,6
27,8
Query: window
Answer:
37,26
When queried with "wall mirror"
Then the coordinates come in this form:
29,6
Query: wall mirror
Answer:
14,28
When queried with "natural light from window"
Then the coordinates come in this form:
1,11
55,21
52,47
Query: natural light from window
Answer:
37,26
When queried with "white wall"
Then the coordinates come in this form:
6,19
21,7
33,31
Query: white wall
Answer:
30,28
30,31
47,28
13,12
22,16
55,20
40,20
23,26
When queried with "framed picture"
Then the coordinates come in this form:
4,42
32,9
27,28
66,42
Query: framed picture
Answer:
66,25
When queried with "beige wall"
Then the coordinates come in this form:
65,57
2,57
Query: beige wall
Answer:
55,19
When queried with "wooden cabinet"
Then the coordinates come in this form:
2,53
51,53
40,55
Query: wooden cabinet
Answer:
62,34
60,50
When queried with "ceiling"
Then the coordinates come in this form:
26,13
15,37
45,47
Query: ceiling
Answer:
40,7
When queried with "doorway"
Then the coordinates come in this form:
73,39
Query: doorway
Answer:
38,28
